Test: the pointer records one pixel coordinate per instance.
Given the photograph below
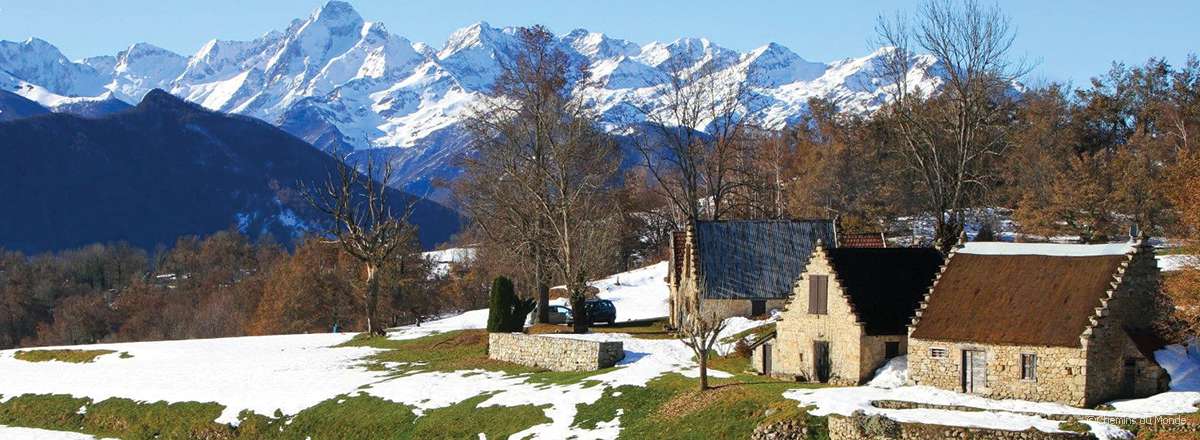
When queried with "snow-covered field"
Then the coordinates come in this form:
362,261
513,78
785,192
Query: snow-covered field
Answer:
260,373
1183,363
294,372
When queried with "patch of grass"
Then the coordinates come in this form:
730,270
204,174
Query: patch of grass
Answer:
1074,426
122,418
494,421
672,407
358,416
125,355
73,356
645,329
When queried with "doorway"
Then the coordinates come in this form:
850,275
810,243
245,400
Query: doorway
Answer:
821,363
766,359
974,372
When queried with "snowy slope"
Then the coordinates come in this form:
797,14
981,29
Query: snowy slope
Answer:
342,82
293,372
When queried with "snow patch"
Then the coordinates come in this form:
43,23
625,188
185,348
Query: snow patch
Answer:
893,374
1051,249
259,373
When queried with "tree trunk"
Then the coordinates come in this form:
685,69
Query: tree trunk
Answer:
579,310
372,302
703,371
543,288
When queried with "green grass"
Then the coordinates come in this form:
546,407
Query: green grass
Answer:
73,356
1074,426
645,329
670,406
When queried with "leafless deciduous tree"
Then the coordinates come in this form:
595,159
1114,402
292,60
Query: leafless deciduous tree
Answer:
951,138
700,332
694,144
543,173
365,222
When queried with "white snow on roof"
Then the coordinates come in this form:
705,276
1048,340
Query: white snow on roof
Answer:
1051,249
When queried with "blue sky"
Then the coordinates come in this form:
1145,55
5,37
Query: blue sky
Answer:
1072,40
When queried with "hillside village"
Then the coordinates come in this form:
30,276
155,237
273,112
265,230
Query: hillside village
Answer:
333,232
294,384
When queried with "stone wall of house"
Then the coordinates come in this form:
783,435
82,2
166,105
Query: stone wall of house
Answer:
554,353
1135,304
873,353
1060,371
727,308
756,356
682,287
797,330
863,427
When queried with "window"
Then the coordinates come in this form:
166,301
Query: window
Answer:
758,307
891,349
1028,366
938,353
818,294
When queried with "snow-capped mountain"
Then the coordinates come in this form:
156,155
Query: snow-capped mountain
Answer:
346,84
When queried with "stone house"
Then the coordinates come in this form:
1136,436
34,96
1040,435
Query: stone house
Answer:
1047,322
848,314
739,267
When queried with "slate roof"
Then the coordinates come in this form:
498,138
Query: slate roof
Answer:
885,285
755,259
1043,300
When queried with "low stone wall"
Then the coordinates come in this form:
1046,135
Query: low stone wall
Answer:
875,427
551,353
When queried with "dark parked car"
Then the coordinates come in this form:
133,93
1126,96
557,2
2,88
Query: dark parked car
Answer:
601,310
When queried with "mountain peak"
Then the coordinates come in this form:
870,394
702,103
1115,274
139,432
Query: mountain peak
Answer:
336,11
160,100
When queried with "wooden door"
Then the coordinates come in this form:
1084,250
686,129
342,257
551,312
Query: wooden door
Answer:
1129,378
821,362
766,359
974,371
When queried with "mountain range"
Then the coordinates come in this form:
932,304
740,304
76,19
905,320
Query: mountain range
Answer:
160,170
346,84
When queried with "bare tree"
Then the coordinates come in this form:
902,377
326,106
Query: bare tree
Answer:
693,144
365,223
543,172
950,138
700,332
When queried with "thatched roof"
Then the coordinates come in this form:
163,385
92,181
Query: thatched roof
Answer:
1000,295
755,259
885,285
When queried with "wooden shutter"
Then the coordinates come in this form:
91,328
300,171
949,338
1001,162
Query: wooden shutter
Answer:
818,294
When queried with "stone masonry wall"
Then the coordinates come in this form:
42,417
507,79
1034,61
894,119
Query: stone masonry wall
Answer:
1060,371
873,353
797,330
554,353
1134,305
861,427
